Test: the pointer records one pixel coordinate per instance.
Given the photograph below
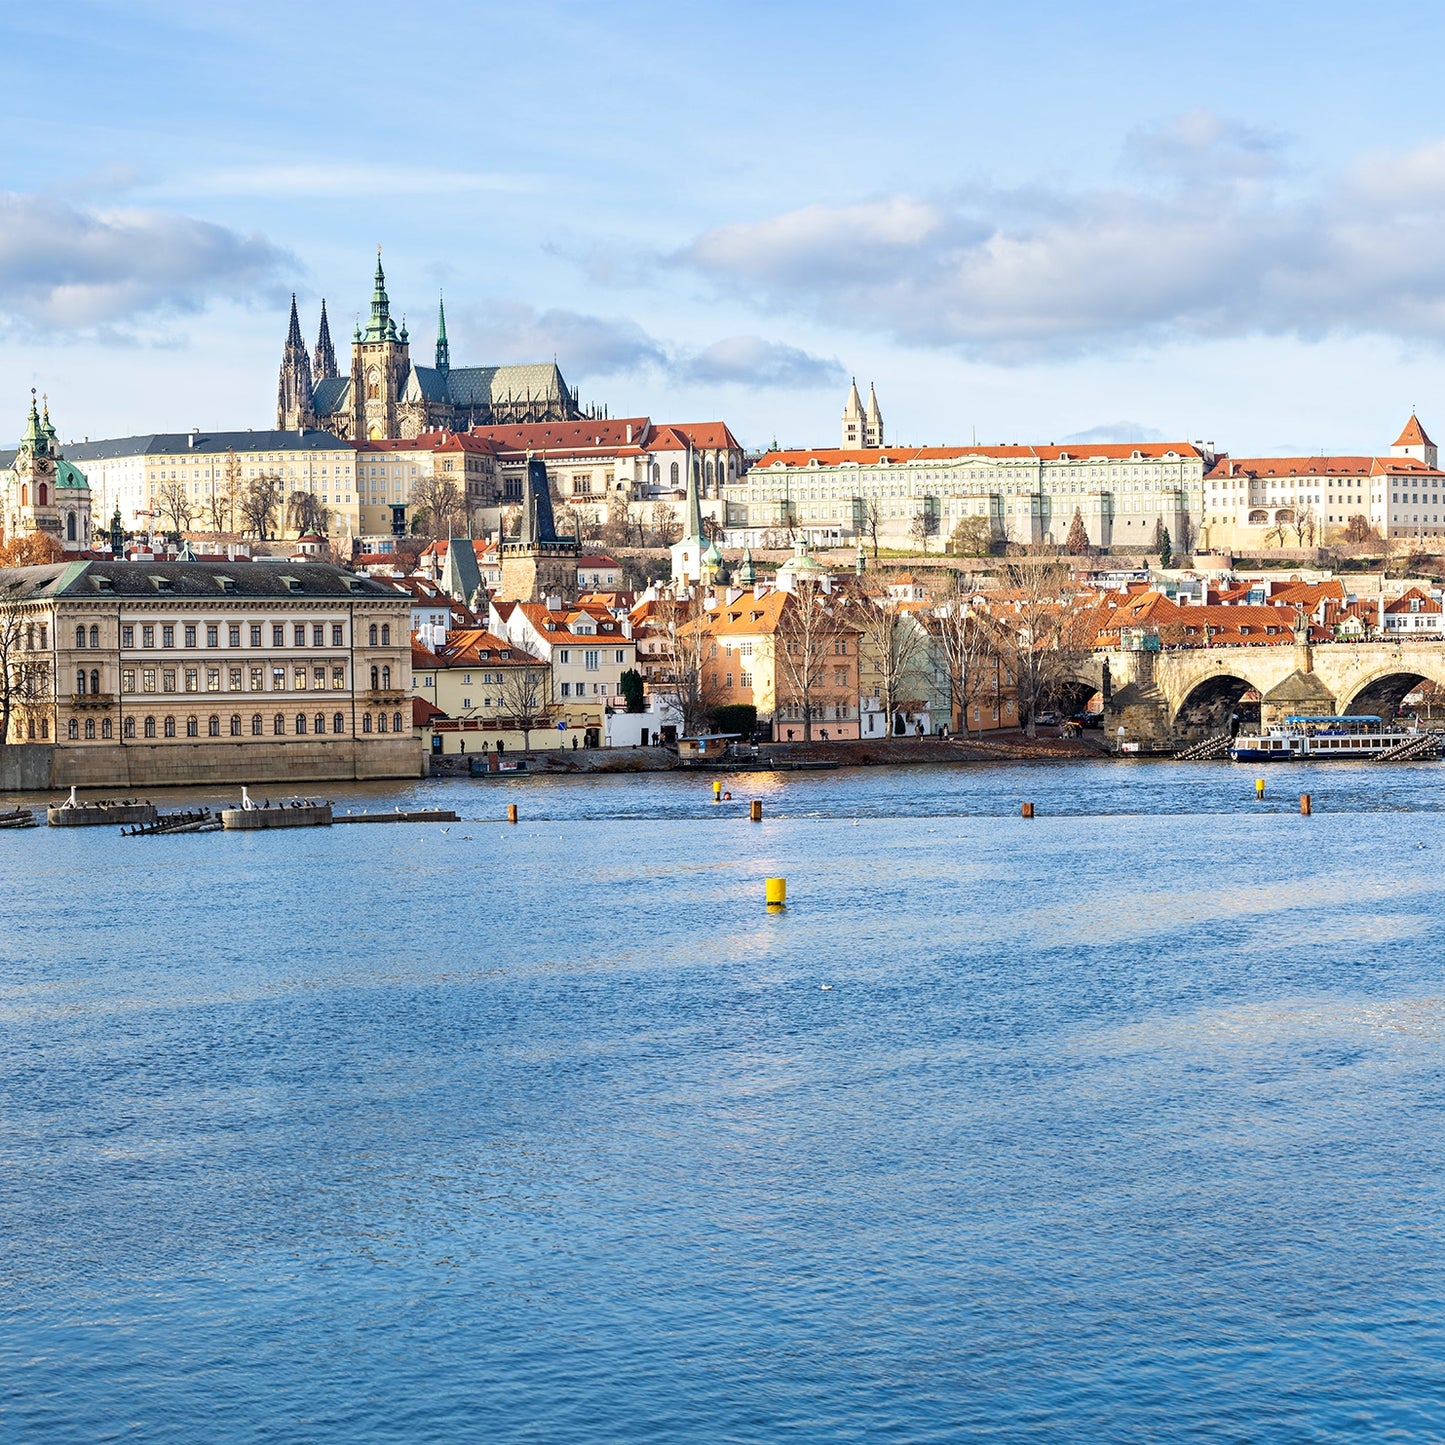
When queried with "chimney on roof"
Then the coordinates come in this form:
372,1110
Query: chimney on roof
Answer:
629,433
191,437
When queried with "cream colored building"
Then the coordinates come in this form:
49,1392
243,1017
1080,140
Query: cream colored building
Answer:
204,671
1253,503
1023,493
485,685
132,473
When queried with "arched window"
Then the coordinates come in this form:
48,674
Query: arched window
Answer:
128,731
365,722
193,727
371,634
300,723
278,725
44,729
170,727
707,473
386,679
375,678
24,496
338,723
80,681
257,726
42,494
95,636
32,730
320,724
80,637
675,474
95,679
105,728
386,634
213,726
150,727
70,526
396,722
89,727
381,722
235,724
73,730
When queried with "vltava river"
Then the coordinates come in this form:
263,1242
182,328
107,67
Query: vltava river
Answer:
1121,1123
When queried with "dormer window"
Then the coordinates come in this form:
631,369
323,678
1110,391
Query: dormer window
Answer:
226,584
161,584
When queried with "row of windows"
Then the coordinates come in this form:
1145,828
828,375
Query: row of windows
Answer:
191,633
317,726
235,679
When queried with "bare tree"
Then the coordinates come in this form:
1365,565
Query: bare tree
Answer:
969,649
664,523
438,505
871,522
1304,526
811,629
24,676
1036,628
261,504
524,696
225,496
685,682
306,514
173,502
923,526
892,650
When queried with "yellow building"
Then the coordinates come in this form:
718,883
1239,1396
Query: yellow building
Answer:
493,695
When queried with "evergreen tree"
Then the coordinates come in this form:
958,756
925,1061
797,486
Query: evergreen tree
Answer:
1166,551
1078,540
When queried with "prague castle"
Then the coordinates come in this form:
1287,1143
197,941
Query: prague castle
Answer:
387,396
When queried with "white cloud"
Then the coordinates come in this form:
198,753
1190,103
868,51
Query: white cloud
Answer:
1213,243
752,361
315,179
585,346
68,269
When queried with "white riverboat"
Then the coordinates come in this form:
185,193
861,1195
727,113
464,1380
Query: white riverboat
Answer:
1349,735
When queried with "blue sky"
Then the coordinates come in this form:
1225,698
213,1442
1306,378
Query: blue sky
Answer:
1024,223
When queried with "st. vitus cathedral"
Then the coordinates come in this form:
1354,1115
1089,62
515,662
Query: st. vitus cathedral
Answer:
387,396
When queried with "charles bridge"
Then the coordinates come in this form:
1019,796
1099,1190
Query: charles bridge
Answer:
1175,696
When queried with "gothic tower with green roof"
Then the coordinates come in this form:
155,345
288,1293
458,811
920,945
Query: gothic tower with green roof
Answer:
380,364
42,492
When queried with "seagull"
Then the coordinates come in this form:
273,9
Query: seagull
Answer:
825,988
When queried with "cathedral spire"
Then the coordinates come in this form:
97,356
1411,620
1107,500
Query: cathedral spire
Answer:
694,509
293,387
444,354
325,364
381,327
34,439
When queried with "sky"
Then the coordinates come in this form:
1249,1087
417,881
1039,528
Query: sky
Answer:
1040,222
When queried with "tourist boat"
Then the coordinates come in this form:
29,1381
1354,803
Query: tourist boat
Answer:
1348,735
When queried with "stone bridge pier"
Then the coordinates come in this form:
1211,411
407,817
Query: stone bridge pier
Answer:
1166,699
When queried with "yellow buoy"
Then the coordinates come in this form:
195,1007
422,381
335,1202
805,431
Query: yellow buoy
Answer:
716,791
1259,787
776,892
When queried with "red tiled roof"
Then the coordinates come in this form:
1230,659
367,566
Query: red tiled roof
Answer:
1413,434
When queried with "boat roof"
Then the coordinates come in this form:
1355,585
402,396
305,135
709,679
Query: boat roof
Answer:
1347,717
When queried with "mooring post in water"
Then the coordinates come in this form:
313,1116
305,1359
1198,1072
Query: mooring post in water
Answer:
755,810
511,812
716,791
1304,805
1259,787
1027,810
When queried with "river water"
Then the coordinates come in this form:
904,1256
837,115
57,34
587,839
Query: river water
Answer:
1120,1123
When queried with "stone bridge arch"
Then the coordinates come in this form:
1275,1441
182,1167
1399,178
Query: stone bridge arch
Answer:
1378,681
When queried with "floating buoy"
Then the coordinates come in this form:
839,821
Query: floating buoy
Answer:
716,791
1259,787
775,890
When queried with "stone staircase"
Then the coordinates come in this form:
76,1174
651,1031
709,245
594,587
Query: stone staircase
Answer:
1206,750
1413,750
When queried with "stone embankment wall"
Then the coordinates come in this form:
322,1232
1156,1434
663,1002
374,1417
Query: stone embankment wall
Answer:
34,767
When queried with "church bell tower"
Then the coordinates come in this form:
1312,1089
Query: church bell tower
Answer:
380,361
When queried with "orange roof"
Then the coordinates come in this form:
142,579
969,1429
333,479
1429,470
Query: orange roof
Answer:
902,455
1413,435
475,645
590,436
597,559
1318,467
422,712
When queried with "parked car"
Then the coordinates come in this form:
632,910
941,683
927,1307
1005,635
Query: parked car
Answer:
1086,719
1047,719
